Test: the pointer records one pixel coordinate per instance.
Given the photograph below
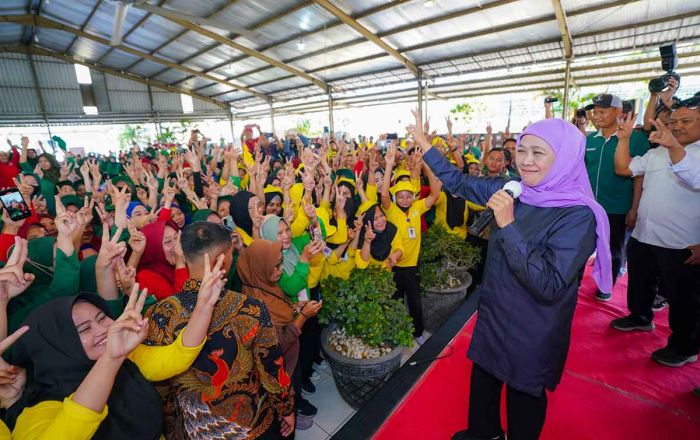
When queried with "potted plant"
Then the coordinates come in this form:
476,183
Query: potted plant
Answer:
365,332
443,265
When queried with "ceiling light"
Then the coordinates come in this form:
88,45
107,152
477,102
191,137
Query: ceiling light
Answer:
429,3
300,44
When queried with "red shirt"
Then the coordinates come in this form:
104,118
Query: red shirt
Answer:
9,170
160,286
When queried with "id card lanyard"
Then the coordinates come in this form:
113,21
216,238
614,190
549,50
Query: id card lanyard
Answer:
411,229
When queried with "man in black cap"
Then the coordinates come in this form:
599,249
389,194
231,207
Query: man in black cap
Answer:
613,192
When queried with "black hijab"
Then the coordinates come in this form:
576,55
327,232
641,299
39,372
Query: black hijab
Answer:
351,204
239,211
381,245
454,211
56,365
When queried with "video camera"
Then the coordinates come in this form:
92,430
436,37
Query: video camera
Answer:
669,61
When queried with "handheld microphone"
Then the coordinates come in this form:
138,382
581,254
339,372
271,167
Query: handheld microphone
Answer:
514,189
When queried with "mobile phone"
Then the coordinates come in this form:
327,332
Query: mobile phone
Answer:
15,205
229,223
315,231
550,100
392,136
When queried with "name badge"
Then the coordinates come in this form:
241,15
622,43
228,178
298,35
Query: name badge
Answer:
327,251
411,232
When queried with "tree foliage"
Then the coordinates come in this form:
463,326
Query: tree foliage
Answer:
131,134
364,307
444,259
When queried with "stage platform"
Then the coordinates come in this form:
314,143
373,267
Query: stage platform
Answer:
611,389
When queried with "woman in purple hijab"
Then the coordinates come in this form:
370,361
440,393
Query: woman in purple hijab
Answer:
537,251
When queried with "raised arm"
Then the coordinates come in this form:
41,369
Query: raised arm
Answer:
622,153
390,161
475,189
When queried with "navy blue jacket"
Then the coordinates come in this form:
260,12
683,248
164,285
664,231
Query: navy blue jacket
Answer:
530,285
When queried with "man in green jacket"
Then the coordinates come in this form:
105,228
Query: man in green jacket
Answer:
613,192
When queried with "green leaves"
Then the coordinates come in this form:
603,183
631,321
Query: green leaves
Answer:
364,307
444,258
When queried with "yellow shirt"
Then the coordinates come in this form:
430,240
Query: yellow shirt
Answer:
247,239
5,433
409,229
441,216
339,267
372,192
396,244
54,420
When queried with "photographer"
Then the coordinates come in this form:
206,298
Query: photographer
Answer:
660,103
612,191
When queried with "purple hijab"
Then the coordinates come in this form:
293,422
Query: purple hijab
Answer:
567,184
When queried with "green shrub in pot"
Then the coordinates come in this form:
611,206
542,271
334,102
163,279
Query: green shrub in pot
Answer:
444,259
364,307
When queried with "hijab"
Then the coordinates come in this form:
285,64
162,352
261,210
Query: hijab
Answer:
202,215
255,267
380,247
56,365
239,211
567,184
454,210
154,257
269,229
40,260
130,208
350,207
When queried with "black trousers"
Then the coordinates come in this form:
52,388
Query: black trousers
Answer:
617,242
680,284
526,413
408,285
310,342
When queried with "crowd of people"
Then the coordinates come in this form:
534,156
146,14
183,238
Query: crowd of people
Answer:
174,290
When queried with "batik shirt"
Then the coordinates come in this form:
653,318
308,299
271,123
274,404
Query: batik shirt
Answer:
238,385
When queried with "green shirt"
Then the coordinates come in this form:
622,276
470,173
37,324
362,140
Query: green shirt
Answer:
65,281
292,284
613,192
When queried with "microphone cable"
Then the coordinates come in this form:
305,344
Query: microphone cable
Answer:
443,356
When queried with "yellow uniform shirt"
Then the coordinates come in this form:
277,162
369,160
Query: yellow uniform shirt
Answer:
441,216
396,244
339,267
409,226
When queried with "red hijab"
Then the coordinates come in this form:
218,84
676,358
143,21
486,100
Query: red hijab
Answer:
153,258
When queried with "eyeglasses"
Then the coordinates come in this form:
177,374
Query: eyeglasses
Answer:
690,103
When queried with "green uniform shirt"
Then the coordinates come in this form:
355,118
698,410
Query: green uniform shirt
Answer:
613,192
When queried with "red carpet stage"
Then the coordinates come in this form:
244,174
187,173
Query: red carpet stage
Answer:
611,389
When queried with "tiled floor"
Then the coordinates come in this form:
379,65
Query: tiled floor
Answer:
333,411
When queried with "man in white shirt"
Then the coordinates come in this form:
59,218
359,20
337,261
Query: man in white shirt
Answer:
666,238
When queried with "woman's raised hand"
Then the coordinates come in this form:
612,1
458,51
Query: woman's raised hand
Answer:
418,131
213,283
130,329
369,232
12,379
13,280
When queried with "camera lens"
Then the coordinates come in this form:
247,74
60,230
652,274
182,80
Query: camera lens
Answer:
657,85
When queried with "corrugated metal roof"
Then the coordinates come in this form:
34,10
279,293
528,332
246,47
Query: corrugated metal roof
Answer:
452,39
